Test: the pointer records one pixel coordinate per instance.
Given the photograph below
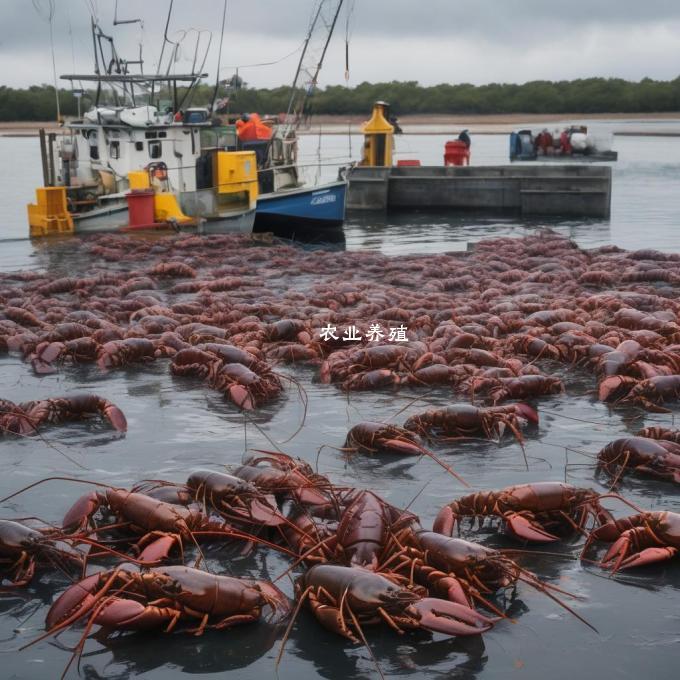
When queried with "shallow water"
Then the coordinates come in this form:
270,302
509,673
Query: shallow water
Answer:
176,425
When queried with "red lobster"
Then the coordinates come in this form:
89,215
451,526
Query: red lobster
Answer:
345,598
641,539
465,420
531,511
656,458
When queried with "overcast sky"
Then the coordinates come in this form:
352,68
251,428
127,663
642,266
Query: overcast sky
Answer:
431,41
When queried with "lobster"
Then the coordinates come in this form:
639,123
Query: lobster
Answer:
344,598
59,409
235,498
532,512
159,525
14,420
465,420
519,387
650,394
657,458
22,549
278,473
372,437
660,433
117,353
127,599
640,539
365,525
462,571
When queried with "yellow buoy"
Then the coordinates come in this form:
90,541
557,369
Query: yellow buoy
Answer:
378,138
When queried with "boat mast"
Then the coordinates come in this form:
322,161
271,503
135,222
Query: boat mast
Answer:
313,53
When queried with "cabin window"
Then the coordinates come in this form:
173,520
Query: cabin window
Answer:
162,134
94,151
139,146
114,149
150,135
155,149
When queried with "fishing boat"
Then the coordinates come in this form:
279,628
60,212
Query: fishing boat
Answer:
572,143
144,159
286,204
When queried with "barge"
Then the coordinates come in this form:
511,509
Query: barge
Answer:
563,190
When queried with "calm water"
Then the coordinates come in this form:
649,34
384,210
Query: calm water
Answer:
175,426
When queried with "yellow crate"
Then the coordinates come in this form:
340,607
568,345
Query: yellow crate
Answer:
236,172
49,215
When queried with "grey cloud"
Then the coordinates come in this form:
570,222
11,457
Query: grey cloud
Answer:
265,30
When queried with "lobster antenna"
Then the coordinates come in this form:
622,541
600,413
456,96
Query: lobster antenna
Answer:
305,402
546,592
302,557
286,635
410,403
361,633
261,431
50,479
44,440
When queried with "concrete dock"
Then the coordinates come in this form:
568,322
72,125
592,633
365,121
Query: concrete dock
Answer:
564,190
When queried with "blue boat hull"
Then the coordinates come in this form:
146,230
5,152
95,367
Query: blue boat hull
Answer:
296,211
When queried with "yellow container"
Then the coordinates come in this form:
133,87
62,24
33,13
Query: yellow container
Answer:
139,179
49,215
166,208
378,138
236,173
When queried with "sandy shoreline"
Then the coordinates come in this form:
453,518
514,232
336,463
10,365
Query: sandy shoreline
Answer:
439,124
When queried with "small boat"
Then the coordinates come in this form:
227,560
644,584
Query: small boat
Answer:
303,209
573,143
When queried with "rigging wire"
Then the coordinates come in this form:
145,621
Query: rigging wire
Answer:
47,14
219,57
348,34
266,63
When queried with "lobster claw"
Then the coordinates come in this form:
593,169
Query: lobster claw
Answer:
648,556
280,604
264,512
78,599
619,555
120,613
403,447
521,527
450,618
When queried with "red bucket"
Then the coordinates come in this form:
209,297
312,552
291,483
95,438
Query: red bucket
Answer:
140,208
456,153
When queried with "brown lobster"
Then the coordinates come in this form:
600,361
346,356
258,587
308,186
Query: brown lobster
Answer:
650,394
641,539
287,477
380,437
26,418
22,549
532,512
459,570
127,599
158,525
465,420
656,458
345,598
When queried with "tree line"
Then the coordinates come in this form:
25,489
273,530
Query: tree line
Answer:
590,95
